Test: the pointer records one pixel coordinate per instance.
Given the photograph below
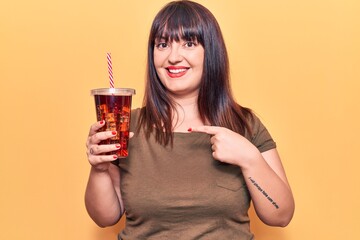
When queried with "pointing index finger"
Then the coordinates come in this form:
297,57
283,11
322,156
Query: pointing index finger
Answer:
212,130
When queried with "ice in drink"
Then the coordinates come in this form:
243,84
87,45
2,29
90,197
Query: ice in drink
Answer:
113,105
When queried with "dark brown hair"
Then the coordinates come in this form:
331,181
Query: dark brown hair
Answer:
188,20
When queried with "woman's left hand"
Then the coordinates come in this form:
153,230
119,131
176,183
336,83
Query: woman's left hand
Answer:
228,146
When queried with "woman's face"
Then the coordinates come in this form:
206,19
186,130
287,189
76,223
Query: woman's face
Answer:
179,66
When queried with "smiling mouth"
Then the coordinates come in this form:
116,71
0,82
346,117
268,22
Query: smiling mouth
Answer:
176,72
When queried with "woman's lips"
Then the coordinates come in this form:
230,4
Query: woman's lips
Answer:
176,72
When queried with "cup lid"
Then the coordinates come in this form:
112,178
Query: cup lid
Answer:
113,91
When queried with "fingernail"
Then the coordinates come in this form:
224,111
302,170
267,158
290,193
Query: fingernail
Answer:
118,146
102,121
115,156
190,129
113,133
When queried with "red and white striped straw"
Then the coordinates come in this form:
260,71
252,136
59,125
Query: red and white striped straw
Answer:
109,63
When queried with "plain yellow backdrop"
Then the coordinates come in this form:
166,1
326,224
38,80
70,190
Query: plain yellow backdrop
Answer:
296,63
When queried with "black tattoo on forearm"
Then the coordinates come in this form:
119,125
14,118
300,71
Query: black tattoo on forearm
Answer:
264,193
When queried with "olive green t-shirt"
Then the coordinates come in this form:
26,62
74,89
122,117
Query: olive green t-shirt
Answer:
182,192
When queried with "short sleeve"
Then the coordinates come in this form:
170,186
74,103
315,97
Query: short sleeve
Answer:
260,136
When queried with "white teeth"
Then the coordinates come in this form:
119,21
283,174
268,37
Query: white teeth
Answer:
177,70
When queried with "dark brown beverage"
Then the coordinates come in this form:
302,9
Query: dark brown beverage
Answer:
114,107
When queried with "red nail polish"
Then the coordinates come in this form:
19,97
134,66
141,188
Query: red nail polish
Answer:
102,121
115,156
190,129
118,146
113,133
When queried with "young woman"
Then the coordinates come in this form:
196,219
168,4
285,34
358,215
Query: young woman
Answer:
197,158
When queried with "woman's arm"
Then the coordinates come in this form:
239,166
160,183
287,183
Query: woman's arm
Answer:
269,189
263,173
102,196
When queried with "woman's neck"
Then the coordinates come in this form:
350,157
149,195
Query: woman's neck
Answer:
186,114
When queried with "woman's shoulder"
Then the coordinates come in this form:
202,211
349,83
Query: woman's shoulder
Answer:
260,135
135,115
135,112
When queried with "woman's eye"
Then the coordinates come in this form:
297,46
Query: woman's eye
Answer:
162,45
190,44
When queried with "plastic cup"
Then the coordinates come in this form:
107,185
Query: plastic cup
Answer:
113,105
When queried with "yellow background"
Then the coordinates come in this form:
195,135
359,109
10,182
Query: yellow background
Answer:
296,63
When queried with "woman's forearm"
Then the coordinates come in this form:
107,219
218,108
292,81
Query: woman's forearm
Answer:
101,199
271,195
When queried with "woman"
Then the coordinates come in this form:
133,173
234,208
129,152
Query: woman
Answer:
196,158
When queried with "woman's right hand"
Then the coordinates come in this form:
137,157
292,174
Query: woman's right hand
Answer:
97,153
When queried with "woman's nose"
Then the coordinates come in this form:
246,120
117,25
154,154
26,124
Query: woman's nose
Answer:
175,55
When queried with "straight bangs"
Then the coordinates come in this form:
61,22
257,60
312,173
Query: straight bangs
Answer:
178,23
